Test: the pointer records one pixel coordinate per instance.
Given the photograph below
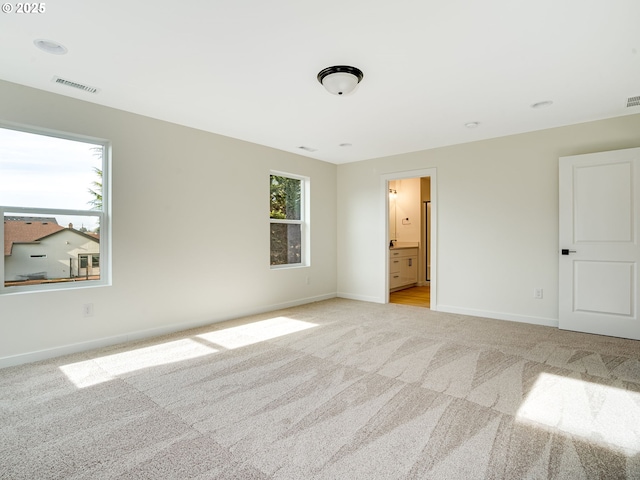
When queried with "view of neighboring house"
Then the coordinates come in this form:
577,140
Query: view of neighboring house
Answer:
38,249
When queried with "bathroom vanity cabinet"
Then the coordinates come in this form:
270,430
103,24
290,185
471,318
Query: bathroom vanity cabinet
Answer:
403,267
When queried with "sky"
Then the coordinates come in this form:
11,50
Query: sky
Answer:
47,172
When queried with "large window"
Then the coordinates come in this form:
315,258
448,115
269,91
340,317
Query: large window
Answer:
289,220
53,200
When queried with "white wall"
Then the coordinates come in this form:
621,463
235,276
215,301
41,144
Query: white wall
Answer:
497,219
408,206
497,230
190,232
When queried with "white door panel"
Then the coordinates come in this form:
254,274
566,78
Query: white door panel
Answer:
603,287
603,203
599,207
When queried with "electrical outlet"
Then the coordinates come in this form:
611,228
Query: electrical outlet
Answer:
537,293
87,310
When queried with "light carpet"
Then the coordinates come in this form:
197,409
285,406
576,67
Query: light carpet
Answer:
338,389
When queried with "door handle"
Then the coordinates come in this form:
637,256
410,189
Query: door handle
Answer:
566,251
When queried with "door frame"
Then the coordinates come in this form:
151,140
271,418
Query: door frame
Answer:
433,247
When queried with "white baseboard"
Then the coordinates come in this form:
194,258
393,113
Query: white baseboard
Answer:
168,329
294,303
511,317
148,333
362,298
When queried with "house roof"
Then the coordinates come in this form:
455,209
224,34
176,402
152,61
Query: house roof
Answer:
27,229
31,229
89,235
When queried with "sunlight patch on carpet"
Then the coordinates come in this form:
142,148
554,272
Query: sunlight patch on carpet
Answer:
255,332
106,368
599,414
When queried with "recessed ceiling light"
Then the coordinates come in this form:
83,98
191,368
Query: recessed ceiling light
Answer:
50,46
544,104
472,124
345,145
307,149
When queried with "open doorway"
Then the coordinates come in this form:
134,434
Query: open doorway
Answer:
411,238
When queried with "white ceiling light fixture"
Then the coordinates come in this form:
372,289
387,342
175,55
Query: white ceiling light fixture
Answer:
340,79
50,46
472,124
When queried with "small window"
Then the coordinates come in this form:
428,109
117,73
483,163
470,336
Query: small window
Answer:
53,195
288,220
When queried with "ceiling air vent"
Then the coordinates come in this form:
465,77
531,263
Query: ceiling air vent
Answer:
77,85
633,101
307,149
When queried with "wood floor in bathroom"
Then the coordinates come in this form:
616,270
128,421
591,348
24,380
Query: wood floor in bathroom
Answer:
416,296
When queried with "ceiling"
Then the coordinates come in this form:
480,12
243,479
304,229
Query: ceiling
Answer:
247,68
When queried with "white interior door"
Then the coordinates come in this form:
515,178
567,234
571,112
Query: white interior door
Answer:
599,253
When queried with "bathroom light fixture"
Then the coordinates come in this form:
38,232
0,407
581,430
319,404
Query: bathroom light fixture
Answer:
50,46
340,79
392,192
472,124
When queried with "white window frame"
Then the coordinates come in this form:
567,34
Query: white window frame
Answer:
304,222
103,215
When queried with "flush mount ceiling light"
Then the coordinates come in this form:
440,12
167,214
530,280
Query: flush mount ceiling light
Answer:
341,79
472,124
50,46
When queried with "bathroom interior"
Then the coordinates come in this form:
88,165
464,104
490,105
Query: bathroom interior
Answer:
409,241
